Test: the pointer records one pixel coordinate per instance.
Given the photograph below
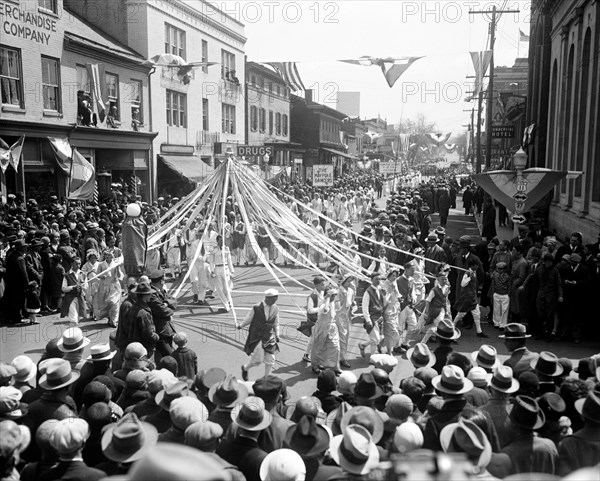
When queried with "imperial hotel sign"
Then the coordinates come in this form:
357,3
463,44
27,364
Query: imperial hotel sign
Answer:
25,24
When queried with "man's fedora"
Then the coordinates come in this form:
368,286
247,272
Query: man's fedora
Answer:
502,380
421,356
452,381
72,340
101,352
128,439
515,330
354,451
446,330
366,388
227,392
251,415
173,389
589,407
465,436
486,357
142,289
307,438
58,375
366,417
526,413
547,364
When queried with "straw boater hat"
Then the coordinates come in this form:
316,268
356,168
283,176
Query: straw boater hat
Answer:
446,330
486,357
282,465
101,352
502,380
58,375
128,439
515,331
421,356
354,451
466,436
452,381
72,340
25,368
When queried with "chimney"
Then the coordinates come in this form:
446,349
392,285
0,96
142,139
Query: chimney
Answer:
308,96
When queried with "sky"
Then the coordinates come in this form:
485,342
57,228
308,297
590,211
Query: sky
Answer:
316,34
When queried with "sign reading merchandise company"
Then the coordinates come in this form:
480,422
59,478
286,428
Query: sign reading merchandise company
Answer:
322,175
25,24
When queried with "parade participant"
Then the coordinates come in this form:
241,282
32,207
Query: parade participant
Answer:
16,281
391,331
437,306
200,272
374,303
344,316
137,324
379,266
433,253
325,352
108,296
500,288
314,255
174,252
239,238
162,307
407,320
263,333
73,286
221,267
520,357
467,302
314,300
90,269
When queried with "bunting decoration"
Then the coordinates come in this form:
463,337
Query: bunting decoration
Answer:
450,148
424,148
404,142
290,75
528,134
481,62
439,139
392,67
373,135
97,75
80,172
11,155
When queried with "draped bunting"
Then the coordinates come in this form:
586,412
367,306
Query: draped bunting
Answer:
81,173
404,142
11,155
439,139
392,67
481,62
450,148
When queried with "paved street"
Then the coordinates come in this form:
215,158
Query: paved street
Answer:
213,336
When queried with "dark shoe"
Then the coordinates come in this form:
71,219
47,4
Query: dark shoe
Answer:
201,303
398,350
244,373
345,364
195,298
33,322
482,334
306,358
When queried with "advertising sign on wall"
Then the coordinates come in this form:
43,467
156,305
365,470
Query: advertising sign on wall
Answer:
322,175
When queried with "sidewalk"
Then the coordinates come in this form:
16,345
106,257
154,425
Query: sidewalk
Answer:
503,233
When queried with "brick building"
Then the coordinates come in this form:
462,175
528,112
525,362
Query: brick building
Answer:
44,50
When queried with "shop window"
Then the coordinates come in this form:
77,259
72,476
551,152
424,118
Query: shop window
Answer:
176,109
253,118
205,55
11,77
270,122
135,97
51,83
284,124
174,40
112,91
277,123
51,5
205,114
262,120
228,118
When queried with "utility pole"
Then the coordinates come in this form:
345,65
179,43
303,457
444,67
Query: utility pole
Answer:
472,134
490,97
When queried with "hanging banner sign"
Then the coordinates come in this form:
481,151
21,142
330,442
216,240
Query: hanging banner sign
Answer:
322,175
389,168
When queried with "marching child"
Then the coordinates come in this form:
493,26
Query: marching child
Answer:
187,359
500,294
437,305
467,300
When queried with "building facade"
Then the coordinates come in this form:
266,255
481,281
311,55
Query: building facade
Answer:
198,117
571,109
45,51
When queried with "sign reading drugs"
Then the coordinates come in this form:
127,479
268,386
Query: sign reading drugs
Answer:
322,175
252,150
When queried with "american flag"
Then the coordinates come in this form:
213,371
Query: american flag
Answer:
289,74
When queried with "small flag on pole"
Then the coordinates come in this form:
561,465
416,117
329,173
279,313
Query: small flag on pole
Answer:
523,37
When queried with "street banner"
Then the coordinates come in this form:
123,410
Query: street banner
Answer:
322,175
390,168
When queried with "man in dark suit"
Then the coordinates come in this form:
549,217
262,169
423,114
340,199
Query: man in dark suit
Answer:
576,294
162,307
520,359
575,246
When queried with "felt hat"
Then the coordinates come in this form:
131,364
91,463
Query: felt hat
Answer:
465,240
58,375
101,352
446,330
142,289
515,330
185,411
547,364
69,435
526,413
72,340
128,439
227,392
25,368
465,436
408,437
210,377
19,243
251,415
268,388
452,381
354,451
173,389
421,356
306,406
334,418
502,380
552,405
7,372
307,437
282,465
432,237
203,435
589,407
135,351
367,417
486,357
366,388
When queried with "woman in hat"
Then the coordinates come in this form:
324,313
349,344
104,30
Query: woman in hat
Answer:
325,351
108,296
344,316
90,270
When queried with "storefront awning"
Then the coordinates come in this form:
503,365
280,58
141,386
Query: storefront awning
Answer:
341,154
189,167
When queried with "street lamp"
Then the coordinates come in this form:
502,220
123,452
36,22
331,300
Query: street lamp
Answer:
520,160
